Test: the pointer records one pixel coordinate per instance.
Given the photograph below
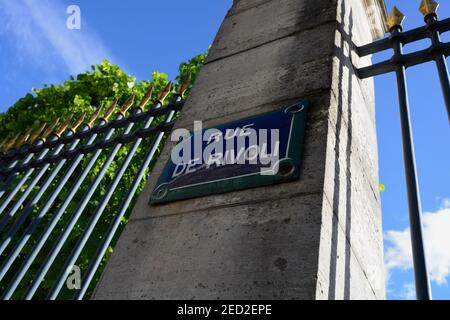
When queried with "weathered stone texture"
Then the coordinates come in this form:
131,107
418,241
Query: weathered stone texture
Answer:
254,23
240,252
351,174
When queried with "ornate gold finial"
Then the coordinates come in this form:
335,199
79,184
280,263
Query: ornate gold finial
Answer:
63,127
94,117
127,104
395,19
49,130
146,98
429,7
11,142
185,85
27,138
18,142
23,139
36,133
163,94
78,122
2,144
110,111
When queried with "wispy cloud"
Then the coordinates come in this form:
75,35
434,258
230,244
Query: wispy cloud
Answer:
37,32
437,245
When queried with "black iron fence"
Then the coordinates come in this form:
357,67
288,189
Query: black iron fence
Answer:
438,52
64,194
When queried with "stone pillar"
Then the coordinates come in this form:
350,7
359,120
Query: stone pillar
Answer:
316,238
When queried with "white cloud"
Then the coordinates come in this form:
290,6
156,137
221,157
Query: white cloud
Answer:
38,33
436,229
408,292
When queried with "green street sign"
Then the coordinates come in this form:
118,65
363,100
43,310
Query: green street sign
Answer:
248,153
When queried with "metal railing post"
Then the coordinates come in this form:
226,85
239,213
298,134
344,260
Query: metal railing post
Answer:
440,60
415,212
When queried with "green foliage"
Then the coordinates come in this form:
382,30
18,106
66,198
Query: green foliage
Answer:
105,83
85,93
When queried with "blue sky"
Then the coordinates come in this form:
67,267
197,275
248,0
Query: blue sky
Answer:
432,145
142,36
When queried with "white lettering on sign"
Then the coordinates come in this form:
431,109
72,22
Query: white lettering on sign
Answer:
243,145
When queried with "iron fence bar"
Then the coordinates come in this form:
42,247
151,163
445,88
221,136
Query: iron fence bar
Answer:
50,144
407,60
10,159
25,177
441,63
3,162
29,207
122,139
405,38
18,203
10,178
5,186
94,264
13,161
35,222
415,215
99,129
74,218
376,69
12,175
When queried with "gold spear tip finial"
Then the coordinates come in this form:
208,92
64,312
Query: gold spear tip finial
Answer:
428,7
94,117
50,129
146,98
78,122
163,95
63,127
127,104
36,133
11,142
395,19
185,85
2,144
28,135
110,111
23,139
